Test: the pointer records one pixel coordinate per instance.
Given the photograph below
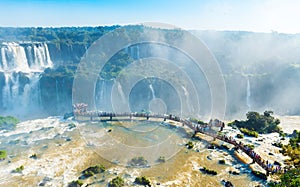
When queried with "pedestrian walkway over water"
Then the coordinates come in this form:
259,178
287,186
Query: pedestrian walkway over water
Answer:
197,128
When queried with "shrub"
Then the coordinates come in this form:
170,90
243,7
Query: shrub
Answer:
161,159
18,170
190,145
251,146
249,132
8,122
3,154
142,181
92,170
277,144
240,136
75,183
116,182
139,161
262,123
33,156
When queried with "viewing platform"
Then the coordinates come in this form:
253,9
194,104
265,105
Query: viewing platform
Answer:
82,114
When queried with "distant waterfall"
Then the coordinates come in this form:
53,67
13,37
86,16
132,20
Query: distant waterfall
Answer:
248,101
26,58
120,91
152,91
103,95
133,52
21,66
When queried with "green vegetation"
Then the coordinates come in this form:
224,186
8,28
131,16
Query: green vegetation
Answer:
190,145
251,146
3,154
161,159
249,132
18,170
75,183
240,136
208,171
290,178
293,149
261,123
142,181
197,121
8,122
33,156
116,182
139,161
68,35
92,170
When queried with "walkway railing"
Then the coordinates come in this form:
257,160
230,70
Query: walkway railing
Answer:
197,128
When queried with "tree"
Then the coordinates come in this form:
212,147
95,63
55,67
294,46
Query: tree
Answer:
262,123
116,182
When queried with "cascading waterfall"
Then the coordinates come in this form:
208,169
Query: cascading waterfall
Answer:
21,66
152,91
25,58
248,101
103,94
133,51
120,91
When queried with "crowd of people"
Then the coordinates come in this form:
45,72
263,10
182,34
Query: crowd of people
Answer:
269,167
81,109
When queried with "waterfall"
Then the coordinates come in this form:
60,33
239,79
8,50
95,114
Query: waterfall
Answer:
248,101
19,97
25,58
120,91
21,66
133,51
41,57
14,58
152,91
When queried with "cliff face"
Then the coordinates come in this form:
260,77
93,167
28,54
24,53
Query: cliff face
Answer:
36,78
63,53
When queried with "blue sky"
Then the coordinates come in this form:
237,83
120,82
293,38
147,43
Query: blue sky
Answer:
249,15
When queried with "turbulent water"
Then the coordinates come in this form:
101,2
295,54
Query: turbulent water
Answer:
21,66
64,148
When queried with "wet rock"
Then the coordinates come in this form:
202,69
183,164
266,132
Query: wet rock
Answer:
234,172
227,183
277,163
71,126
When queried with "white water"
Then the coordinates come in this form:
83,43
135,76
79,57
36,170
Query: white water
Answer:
133,51
21,65
248,100
16,99
30,58
152,91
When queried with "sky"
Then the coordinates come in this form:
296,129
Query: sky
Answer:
281,16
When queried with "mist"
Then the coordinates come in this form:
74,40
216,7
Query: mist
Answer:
271,62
